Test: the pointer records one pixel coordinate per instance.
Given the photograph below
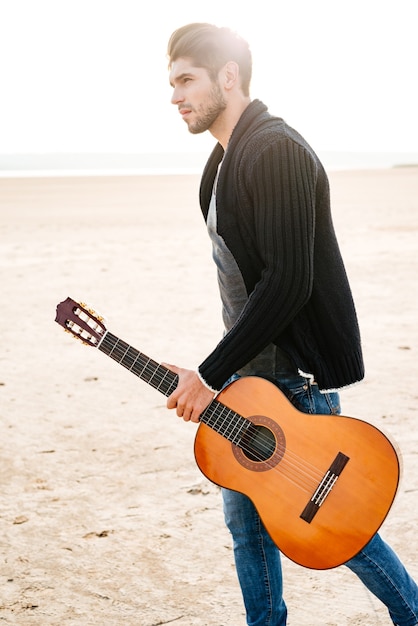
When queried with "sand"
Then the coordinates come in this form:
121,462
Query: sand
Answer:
104,517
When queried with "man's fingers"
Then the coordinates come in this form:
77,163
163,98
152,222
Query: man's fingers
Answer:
171,402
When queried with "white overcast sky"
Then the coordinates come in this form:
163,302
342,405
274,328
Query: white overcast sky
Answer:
91,75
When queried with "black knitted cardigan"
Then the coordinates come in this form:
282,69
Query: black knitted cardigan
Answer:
273,206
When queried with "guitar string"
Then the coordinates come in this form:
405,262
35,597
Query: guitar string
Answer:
287,465
307,472
156,369
146,362
264,445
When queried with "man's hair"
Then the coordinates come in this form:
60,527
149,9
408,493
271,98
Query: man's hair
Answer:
211,47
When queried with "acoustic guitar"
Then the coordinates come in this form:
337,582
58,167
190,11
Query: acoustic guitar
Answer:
322,484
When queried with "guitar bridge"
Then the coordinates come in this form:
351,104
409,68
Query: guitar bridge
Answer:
324,488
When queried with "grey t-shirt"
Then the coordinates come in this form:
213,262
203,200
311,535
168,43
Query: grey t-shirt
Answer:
272,361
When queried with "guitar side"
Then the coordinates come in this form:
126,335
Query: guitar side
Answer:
282,486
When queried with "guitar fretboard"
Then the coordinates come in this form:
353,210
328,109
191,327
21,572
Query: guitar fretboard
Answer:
217,416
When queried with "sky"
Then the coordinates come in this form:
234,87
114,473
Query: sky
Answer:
90,76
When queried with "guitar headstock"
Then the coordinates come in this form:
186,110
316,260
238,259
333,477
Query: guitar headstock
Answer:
82,322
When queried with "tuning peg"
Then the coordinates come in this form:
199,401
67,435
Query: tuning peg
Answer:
92,312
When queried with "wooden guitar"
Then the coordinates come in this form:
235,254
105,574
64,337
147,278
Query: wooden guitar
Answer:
322,484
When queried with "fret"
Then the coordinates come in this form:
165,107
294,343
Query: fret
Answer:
139,364
237,427
133,355
145,373
173,385
119,350
225,421
168,382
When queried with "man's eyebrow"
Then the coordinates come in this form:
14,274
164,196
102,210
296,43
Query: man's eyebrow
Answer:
180,77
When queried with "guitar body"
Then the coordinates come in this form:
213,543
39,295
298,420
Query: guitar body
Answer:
281,482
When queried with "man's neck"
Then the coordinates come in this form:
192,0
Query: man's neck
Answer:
223,127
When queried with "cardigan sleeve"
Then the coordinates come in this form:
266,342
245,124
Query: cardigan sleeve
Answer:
274,248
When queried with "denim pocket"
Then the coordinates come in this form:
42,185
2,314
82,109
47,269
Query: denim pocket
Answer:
307,398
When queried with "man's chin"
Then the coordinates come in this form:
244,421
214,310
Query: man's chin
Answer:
196,131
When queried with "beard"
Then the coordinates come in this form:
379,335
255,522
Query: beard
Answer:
208,113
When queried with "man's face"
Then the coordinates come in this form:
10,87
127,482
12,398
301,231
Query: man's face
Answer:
200,100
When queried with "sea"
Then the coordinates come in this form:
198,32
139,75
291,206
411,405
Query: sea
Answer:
89,164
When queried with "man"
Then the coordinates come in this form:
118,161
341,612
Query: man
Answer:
287,305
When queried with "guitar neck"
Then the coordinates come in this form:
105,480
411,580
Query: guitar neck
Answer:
156,375
217,416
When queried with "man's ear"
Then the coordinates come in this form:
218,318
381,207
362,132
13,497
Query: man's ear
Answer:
230,74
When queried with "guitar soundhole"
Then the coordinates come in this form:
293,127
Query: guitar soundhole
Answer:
262,446
258,443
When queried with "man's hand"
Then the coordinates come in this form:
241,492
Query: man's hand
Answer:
190,397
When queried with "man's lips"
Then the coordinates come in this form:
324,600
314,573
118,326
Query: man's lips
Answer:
184,112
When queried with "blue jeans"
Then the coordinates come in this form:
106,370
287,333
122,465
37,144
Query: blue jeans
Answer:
257,558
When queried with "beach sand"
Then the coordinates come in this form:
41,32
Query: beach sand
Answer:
104,517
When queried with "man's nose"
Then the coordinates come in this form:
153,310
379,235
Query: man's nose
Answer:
176,96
